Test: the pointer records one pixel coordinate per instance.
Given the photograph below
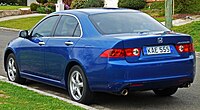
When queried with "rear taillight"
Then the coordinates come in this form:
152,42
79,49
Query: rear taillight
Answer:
113,53
185,48
131,52
121,53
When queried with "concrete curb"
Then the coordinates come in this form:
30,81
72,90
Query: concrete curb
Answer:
48,94
9,29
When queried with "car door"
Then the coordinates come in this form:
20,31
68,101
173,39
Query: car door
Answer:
67,33
32,50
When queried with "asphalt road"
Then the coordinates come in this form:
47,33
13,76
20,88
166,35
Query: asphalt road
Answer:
184,99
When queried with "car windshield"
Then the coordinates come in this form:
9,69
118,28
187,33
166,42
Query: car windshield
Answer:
118,23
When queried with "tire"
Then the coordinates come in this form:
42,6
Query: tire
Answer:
166,92
13,70
78,86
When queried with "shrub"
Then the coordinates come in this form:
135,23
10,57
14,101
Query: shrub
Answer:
50,7
77,4
94,3
34,6
52,1
132,4
46,8
86,3
41,9
158,5
187,6
42,1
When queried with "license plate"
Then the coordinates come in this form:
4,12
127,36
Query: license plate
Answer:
158,50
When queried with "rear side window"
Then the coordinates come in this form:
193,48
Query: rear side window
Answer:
68,27
127,22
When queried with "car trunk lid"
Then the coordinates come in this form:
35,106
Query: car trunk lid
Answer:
155,47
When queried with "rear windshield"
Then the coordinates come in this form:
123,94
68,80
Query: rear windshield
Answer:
117,23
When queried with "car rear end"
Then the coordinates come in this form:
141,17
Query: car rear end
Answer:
148,56
144,63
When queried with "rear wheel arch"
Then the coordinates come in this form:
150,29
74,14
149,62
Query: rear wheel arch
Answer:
7,53
69,66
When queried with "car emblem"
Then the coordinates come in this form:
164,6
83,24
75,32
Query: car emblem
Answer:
160,40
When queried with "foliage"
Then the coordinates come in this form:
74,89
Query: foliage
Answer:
94,3
42,1
132,4
50,7
34,6
187,6
46,8
158,5
76,4
52,1
41,9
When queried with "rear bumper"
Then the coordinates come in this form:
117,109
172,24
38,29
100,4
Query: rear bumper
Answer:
146,75
156,83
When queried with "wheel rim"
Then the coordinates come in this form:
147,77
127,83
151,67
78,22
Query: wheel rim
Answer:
76,85
11,69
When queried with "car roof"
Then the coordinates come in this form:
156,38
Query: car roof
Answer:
96,10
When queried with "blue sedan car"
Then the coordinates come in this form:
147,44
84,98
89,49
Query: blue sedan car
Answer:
102,50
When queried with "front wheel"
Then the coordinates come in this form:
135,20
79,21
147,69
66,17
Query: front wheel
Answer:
166,92
13,70
78,86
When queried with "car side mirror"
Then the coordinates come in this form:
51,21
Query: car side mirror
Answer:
23,34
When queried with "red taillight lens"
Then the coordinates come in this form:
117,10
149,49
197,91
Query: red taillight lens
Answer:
185,48
121,53
113,53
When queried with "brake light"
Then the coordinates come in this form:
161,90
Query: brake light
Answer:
121,53
185,48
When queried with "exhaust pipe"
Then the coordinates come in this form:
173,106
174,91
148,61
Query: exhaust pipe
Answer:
186,85
124,92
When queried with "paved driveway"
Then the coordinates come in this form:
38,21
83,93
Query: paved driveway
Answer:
184,99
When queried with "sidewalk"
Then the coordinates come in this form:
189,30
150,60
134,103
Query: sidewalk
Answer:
183,21
20,16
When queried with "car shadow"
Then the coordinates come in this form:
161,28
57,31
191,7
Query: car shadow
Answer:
136,100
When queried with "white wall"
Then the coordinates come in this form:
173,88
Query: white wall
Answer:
30,1
111,3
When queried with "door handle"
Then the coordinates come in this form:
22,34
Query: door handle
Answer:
69,43
41,43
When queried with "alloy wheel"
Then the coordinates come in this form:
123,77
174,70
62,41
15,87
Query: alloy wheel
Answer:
11,68
76,85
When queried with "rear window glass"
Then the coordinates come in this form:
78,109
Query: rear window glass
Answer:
117,23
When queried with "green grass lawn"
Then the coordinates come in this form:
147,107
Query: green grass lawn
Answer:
12,7
192,29
160,19
22,23
16,98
